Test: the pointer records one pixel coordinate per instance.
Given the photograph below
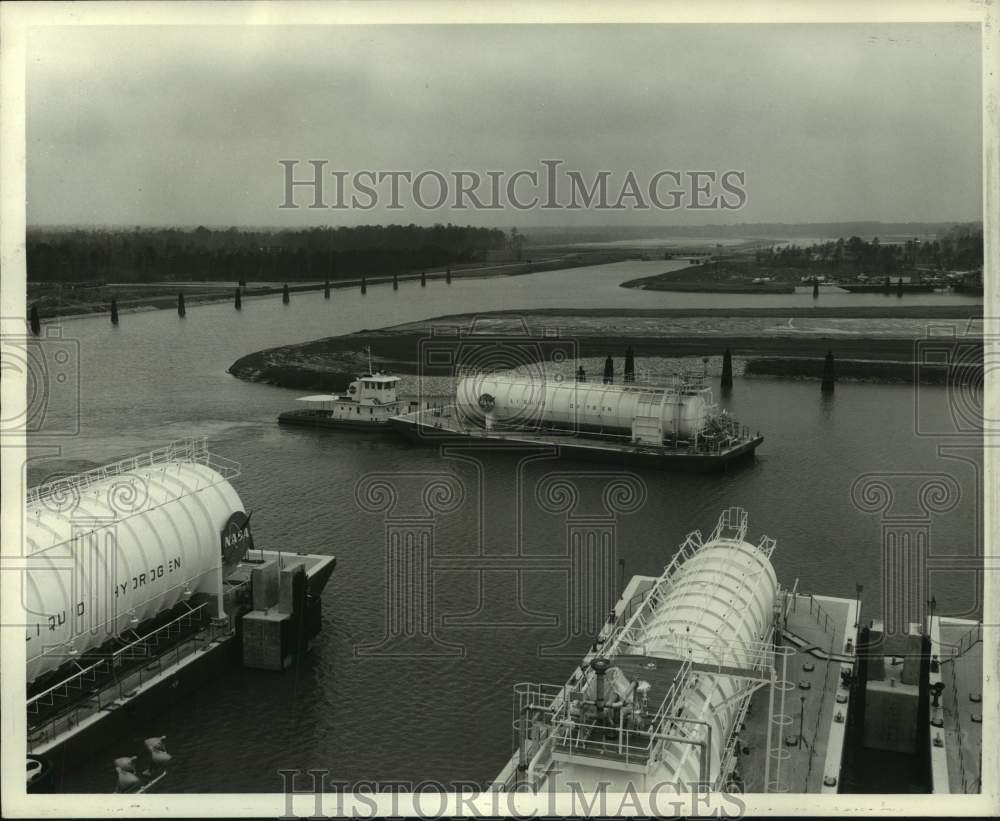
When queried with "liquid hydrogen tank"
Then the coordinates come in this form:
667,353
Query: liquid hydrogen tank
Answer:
106,552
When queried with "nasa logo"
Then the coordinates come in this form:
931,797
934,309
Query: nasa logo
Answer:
236,538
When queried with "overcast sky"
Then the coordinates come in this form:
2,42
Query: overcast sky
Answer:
156,125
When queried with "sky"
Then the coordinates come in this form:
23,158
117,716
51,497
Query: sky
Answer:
157,125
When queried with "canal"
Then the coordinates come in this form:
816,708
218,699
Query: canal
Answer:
502,601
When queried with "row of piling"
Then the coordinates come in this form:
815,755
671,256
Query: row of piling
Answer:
35,322
829,377
886,286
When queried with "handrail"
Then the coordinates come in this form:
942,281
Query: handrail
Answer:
820,612
733,520
182,450
726,762
643,752
583,737
125,684
567,726
967,641
113,657
726,523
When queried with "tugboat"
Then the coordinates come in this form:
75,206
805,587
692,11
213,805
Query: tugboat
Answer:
369,403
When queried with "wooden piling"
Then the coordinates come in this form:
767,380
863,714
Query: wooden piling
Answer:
829,374
727,370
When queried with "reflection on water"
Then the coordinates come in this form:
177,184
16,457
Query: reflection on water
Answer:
500,563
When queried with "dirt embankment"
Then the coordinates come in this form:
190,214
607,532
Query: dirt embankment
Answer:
722,277
329,364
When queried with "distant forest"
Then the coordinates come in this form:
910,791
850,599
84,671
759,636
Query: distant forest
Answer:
232,254
960,248
550,235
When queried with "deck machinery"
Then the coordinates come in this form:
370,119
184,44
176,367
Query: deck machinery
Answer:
659,700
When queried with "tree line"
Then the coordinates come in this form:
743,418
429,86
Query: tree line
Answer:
235,254
960,248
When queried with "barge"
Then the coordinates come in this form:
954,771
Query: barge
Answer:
676,427
142,578
715,677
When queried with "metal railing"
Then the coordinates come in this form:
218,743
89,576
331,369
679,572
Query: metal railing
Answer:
557,716
193,450
122,678
550,718
819,614
619,737
732,525
957,713
631,625
968,640
122,688
561,730
139,648
605,741
741,659
728,762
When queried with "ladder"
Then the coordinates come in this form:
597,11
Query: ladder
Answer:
647,425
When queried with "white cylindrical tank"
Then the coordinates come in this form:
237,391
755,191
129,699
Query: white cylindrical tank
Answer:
104,556
525,401
718,608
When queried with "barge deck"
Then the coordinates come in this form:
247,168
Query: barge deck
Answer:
110,692
437,426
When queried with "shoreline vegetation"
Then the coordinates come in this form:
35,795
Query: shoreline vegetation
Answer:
80,271
953,259
330,364
72,271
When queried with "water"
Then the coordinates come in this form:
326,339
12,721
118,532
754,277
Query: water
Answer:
157,377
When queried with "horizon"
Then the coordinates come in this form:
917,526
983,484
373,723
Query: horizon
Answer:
719,227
